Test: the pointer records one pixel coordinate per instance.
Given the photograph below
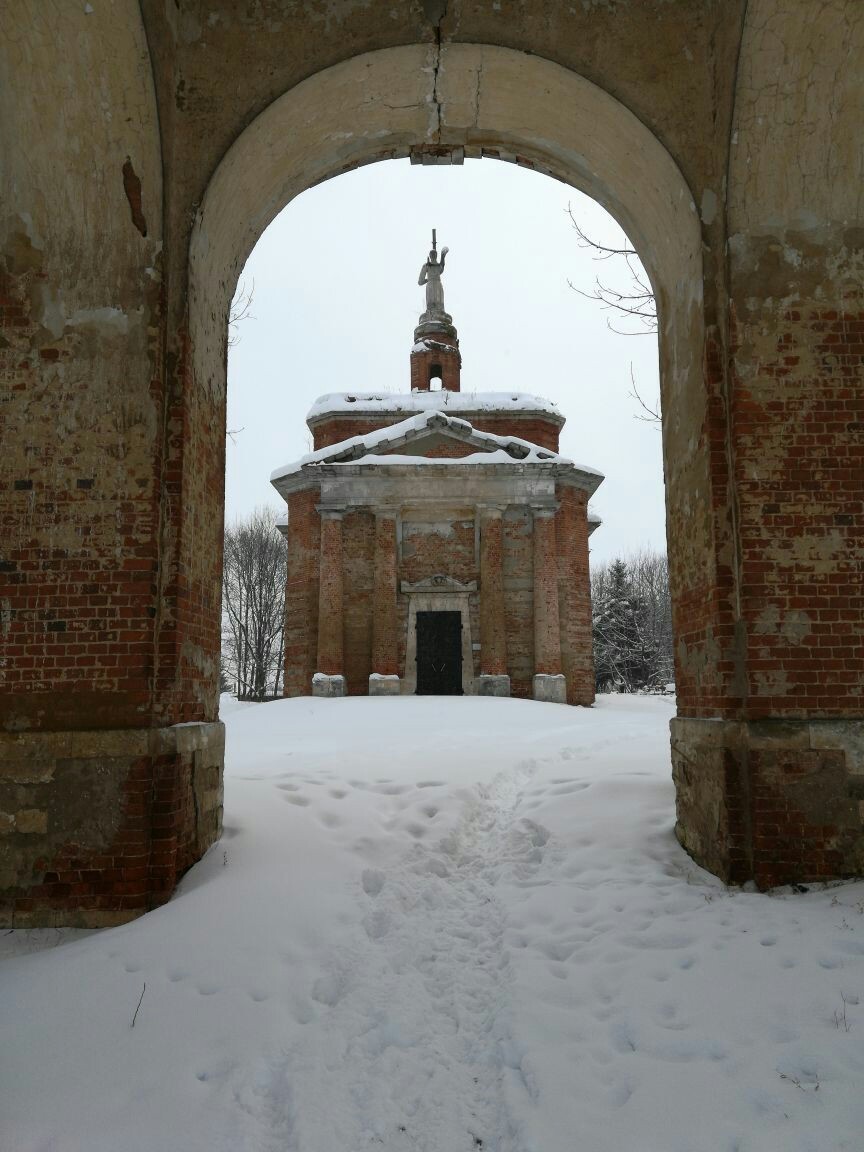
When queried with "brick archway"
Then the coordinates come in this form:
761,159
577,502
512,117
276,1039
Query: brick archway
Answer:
748,221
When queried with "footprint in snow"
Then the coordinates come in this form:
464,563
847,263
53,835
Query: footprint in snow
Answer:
430,784
328,989
218,1070
175,975
338,793
299,800
330,819
372,880
376,923
207,988
850,947
288,787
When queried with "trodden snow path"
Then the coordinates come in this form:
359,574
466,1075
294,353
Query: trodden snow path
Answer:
444,925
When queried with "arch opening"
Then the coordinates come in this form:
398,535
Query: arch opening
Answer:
479,101
489,102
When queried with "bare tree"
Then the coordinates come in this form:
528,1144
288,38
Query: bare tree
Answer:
634,306
636,301
253,606
241,309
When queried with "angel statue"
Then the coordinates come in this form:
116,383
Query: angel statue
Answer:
430,275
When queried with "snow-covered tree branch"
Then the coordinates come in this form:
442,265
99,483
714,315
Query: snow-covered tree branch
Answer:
632,623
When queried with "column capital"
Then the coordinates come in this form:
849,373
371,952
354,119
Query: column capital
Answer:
491,511
543,511
327,512
386,513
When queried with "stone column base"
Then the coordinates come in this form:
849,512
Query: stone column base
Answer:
327,686
551,689
487,684
97,827
773,801
380,685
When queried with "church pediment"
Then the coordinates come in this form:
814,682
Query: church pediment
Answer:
425,434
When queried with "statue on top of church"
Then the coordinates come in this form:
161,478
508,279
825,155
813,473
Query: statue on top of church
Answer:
430,275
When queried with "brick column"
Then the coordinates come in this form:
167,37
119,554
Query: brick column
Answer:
330,616
574,594
549,682
494,680
385,635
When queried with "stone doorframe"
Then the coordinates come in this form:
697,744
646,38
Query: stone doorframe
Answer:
438,594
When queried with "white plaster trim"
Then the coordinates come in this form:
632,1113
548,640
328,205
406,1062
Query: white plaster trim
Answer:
439,583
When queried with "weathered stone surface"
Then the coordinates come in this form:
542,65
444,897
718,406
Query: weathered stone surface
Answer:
384,685
328,686
552,689
777,801
487,684
110,822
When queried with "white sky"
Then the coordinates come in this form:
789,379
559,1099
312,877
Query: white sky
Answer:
336,300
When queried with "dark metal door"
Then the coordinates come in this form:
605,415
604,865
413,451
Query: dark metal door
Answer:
439,654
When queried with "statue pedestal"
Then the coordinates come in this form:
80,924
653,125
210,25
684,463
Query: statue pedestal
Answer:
551,689
380,685
327,686
488,685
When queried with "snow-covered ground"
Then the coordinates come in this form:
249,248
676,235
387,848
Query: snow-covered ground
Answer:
445,925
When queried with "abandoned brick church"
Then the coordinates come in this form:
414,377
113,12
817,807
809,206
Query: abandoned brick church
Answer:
437,541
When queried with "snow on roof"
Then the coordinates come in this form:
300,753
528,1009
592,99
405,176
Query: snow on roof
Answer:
498,456
338,403
492,449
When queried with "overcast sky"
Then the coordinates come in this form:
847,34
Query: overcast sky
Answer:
336,300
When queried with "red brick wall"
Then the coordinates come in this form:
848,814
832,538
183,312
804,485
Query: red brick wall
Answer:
574,594
798,423
518,560
450,363
438,547
707,680
193,484
301,593
527,427
358,542
78,532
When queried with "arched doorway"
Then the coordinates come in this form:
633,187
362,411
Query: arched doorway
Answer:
766,752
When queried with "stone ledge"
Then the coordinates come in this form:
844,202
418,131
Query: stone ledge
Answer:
43,747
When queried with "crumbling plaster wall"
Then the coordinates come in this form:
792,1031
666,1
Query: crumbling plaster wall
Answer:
796,243
779,793
80,255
